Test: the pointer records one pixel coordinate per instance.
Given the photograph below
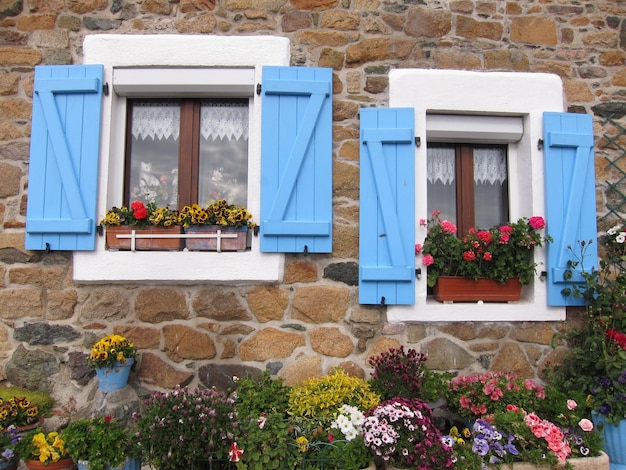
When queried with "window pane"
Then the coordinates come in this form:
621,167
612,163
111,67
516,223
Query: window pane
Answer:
441,188
154,146
491,204
223,151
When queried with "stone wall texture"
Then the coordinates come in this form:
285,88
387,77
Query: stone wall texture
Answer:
204,334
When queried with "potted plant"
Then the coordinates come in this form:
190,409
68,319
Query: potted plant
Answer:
19,412
100,443
112,357
401,432
217,227
132,228
498,256
44,451
182,427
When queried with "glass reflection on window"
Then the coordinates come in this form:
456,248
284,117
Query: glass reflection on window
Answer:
223,151
154,153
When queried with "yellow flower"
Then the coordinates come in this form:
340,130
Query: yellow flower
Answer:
303,443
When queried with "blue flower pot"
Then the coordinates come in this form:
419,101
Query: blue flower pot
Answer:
115,377
614,440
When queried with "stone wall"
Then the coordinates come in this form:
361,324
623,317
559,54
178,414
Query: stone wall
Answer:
205,334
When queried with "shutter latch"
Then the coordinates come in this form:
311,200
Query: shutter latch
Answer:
258,88
105,88
540,144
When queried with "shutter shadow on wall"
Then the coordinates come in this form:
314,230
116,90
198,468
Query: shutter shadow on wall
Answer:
64,151
296,160
387,207
570,200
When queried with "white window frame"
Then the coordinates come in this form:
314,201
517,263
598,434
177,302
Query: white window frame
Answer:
201,57
490,94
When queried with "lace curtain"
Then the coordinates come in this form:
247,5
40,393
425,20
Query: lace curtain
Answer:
217,121
489,165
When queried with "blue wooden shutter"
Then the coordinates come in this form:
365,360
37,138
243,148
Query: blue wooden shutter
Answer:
63,167
296,160
570,199
387,207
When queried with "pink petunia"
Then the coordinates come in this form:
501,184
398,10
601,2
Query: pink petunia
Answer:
571,405
448,227
585,425
427,260
418,248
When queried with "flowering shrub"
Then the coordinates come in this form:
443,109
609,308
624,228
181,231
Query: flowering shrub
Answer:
474,396
182,426
401,431
217,213
140,215
597,361
18,411
500,252
111,349
400,373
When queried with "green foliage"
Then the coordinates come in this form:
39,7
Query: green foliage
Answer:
264,432
400,373
320,398
100,441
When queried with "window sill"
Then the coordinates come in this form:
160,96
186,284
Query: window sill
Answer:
177,266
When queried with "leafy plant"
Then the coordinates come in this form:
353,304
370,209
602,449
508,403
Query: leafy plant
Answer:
101,441
320,398
400,373
181,426
9,437
111,349
264,433
500,252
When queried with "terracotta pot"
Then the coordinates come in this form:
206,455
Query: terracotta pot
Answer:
63,464
218,238
462,289
140,243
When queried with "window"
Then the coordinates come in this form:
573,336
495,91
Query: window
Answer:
468,184
200,72
502,117
201,143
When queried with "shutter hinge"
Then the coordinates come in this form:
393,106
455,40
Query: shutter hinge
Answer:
418,273
540,144
105,88
256,230
418,141
258,88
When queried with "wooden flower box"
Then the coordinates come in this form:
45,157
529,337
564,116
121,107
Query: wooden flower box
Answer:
126,238
217,238
462,289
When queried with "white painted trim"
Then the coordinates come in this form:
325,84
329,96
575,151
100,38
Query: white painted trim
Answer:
180,52
522,95
467,129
